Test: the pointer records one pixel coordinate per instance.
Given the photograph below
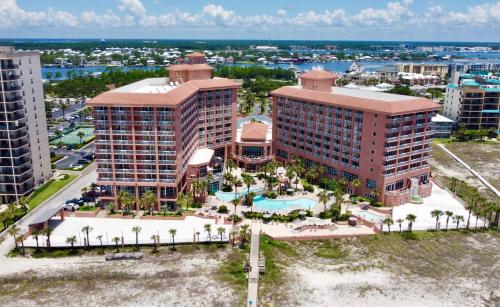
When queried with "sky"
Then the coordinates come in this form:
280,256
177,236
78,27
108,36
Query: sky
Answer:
407,20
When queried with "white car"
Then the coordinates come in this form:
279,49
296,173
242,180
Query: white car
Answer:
71,207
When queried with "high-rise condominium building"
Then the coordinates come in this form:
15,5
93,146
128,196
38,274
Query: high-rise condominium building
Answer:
381,139
474,101
24,147
153,135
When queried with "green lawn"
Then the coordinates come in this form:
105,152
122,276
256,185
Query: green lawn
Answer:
48,189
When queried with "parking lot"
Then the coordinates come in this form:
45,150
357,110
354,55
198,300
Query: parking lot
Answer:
72,156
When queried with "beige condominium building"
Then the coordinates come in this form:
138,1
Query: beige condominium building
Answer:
440,70
24,146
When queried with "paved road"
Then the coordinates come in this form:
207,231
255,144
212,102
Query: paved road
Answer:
253,275
73,190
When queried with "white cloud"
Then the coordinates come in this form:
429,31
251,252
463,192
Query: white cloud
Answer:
394,16
11,15
132,6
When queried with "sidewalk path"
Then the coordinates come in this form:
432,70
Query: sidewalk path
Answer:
484,181
253,275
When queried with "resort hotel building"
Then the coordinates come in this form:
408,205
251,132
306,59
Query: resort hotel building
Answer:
473,100
379,138
157,134
253,144
24,145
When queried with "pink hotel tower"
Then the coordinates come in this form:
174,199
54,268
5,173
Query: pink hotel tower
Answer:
381,139
158,133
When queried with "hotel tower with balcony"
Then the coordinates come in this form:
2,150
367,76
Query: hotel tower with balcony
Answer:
24,146
157,134
379,138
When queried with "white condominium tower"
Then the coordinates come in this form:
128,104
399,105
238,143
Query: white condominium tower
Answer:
24,147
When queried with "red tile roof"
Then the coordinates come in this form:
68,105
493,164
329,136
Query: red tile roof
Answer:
254,131
318,74
189,67
196,54
172,97
412,104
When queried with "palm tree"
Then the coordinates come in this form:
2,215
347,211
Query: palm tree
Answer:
437,214
116,240
411,218
14,232
59,135
236,182
230,165
149,200
47,231
248,180
388,221
197,237
99,237
221,231
153,237
471,206
81,135
87,229
136,229
244,233
23,203
208,230
235,203
457,219
36,235
356,183
448,215
172,232
125,200
183,200
400,222
71,240
324,198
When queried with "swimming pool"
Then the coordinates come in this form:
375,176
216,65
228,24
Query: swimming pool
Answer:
265,204
229,196
369,216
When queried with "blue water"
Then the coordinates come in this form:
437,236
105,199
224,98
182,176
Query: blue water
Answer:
229,196
337,66
265,204
89,70
367,215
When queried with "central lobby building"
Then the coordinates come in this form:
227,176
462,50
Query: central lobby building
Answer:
149,134
379,138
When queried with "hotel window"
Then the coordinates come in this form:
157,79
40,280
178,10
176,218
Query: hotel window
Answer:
331,171
348,176
371,184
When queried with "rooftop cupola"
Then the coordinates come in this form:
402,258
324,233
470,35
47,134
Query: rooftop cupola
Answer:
318,80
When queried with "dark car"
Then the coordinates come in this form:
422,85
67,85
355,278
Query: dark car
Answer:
89,158
82,162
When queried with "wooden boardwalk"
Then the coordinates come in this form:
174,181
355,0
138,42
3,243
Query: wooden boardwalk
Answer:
253,275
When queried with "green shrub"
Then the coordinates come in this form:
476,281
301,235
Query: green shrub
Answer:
227,188
308,187
377,204
222,209
271,195
234,218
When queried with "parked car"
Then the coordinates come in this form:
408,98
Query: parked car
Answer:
82,162
71,207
